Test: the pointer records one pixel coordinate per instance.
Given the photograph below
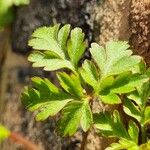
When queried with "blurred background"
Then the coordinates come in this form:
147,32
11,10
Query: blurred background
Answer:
101,20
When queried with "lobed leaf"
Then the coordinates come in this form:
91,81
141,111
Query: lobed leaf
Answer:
45,38
46,98
50,64
76,45
114,59
71,84
133,131
74,114
89,73
131,109
110,125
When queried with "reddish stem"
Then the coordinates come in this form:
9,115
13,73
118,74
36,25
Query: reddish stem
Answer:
21,140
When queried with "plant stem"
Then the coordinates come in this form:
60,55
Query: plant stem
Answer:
84,140
21,140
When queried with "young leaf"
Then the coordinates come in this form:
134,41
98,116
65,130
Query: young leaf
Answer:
87,117
46,98
127,82
89,73
72,116
4,133
131,109
110,98
123,144
133,131
71,84
110,125
115,59
76,45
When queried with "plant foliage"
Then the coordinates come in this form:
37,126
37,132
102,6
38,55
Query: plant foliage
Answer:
4,133
6,10
113,76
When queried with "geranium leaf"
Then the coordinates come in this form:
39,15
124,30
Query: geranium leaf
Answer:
114,59
46,98
45,38
73,114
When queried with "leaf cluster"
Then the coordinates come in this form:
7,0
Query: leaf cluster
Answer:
114,76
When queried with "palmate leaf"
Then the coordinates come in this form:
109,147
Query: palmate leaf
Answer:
66,48
114,59
110,125
75,114
123,144
45,97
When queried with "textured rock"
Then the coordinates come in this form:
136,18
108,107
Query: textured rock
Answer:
110,19
140,28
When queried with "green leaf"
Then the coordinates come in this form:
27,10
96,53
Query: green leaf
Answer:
131,109
87,117
7,12
75,113
127,82
46,98
4,133
71,84
110,125
147,115
45,38
135,97
76,45
145,146
50,64
89,73
63,37
123,144
20,2
110,98
114,59
133,131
